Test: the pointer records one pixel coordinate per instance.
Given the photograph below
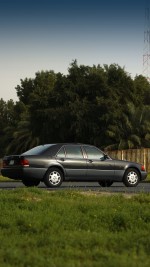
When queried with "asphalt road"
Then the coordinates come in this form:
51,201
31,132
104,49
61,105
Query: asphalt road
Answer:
143,187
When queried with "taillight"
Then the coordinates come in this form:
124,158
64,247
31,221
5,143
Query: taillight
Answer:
24,162
142,168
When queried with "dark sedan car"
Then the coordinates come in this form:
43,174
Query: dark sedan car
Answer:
55,163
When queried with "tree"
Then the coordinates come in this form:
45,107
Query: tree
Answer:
91,104
7,119
96,105
121,84
142,90
133,131
24,90
22,138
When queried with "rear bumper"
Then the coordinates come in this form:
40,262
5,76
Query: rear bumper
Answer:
12,173
23,173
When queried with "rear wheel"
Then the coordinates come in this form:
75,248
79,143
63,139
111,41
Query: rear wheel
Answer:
105,183
131,178
31,182
53,178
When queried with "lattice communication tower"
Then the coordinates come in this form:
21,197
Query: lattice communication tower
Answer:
146,53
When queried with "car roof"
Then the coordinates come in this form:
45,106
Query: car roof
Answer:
54,148
48,149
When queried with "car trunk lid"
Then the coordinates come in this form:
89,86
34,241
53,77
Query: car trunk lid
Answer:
13,161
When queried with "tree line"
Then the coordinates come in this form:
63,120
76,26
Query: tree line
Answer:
100,105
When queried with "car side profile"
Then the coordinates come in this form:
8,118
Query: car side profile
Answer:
56,163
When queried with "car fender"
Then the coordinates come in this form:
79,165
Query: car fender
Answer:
132,166
122,166
55,164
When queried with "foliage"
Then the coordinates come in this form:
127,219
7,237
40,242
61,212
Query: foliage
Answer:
8,119
93,230
133,131
101,105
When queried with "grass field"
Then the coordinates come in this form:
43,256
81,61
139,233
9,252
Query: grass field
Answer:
5,179
72,229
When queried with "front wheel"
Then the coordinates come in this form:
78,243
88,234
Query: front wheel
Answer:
30,182
53,178
105,183
131,178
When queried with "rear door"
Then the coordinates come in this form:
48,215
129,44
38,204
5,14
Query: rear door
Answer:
72,159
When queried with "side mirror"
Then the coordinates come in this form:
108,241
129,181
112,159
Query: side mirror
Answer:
103,158
106,156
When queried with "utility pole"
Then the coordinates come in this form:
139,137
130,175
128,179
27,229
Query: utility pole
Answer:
146,52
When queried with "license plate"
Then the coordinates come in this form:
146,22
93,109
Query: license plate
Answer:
11,162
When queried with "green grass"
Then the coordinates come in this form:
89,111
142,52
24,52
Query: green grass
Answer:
5,179
73,229
148,177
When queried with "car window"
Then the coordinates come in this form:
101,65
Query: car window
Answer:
38,150
73,152
93,152
61,153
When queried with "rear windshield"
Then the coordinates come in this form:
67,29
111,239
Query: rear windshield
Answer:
38,150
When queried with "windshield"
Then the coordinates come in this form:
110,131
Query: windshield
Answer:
37,150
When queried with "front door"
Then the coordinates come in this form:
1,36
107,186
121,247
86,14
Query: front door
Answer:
98,166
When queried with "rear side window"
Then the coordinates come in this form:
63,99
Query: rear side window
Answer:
73,152
61,153
38,150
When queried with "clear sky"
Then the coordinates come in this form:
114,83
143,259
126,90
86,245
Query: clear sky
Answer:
40,35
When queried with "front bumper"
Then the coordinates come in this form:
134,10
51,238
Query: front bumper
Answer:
143,175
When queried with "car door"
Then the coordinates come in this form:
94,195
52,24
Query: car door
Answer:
72,159
98,165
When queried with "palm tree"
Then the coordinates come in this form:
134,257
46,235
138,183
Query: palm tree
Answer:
133,129
22,138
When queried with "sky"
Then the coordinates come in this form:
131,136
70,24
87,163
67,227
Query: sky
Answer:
38,35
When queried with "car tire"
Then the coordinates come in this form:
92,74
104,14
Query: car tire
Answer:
53,178
30,182
105,183
131,178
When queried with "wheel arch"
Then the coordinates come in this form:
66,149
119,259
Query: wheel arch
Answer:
57,167
131,167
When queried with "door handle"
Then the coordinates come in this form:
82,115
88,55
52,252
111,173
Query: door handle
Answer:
90,161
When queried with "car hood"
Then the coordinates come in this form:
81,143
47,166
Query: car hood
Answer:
127,162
